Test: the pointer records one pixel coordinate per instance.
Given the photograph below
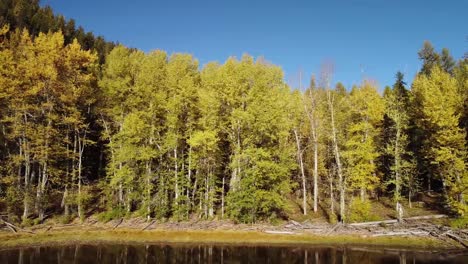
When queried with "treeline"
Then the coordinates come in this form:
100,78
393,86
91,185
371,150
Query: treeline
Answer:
19,14
153,135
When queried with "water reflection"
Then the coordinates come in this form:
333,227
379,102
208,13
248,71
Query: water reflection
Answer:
123,254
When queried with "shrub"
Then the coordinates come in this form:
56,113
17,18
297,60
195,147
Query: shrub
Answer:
360,211
25,222
85,199
461,222
65,219
332,218
111,214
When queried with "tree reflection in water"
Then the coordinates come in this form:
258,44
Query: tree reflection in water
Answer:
224,254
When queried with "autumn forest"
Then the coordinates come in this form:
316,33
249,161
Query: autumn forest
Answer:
91,127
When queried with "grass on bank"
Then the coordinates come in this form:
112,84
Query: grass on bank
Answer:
209,237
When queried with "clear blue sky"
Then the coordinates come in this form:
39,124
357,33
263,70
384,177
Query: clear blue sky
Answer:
364,38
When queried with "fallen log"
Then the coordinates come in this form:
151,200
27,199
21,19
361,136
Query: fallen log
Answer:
434,233
147,226
28,231
394,221
120,222
92,222
314,227
279,232
295,223
403,233
458,239
463,231
426,217
66,225
10,226
333,228
14,228
374,223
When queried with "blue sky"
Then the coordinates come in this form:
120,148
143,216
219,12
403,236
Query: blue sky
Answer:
363,38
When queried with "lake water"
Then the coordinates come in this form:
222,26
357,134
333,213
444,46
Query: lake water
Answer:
183,253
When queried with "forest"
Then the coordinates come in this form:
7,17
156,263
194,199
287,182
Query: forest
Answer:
90,127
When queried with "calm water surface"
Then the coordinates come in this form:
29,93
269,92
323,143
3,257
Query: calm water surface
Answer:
155,253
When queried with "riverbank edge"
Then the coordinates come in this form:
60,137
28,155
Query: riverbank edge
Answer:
77,235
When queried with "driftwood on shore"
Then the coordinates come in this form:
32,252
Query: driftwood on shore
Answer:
14,228
394,221
118,223
334,228
373,223
458,239
10,226
419,226
443,233
411,226
402,233
148,225
279,232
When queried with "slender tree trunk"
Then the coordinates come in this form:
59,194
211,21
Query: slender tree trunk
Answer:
461,197
299,157
27,171
211,193
182,186
410,193
189,180
20,146
38,190
106,128
148,190
222,199
162,196
176,174
43,177
81,147
64,204
195,187
337,159
42,180
73,166
313,119
66,210
398,206
315,175
121,198
205,206
236,173
332,196
364,184
238,158
129,199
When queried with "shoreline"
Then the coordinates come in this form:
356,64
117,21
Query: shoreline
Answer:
217,233
207,237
